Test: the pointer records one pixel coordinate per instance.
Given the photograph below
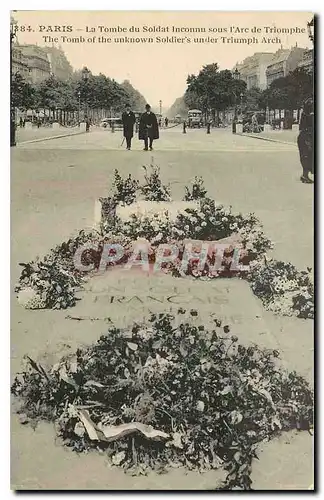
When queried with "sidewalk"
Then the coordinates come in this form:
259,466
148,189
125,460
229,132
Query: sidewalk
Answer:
282,136
44,133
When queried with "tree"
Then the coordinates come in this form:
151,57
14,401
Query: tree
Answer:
93,92
102,92
303,84
136,100
289,92
200,90
120,96
68,100
49,93
228,90
213,89
22,93
179,107
254,99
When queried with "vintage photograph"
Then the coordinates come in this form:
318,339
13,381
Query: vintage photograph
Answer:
162,250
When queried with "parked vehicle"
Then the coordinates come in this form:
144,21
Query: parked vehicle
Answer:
117,123
104,123
195,118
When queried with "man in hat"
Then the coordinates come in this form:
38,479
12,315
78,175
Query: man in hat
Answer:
148,128
128,119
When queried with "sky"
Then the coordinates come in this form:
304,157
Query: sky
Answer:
159,70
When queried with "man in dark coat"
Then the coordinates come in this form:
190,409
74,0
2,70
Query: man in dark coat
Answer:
129,119
87,122
305,140
148,128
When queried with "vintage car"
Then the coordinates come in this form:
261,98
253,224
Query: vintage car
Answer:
112,123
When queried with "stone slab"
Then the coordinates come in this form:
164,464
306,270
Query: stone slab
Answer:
146,208
126,296
151,208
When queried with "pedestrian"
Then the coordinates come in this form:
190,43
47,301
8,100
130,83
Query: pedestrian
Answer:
87,122
148,128
166,121
305,140
255,123
128,118
234,122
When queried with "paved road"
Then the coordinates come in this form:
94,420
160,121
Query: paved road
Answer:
58,180
54,185
170,139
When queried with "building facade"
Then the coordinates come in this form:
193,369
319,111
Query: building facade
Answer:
253,69
284,61
19,62
307,61
38,64
59,65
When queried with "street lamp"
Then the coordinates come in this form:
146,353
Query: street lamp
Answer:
236,76
241,100
85,78
160,103
79,104
267,115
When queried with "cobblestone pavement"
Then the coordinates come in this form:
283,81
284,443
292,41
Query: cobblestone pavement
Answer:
54,187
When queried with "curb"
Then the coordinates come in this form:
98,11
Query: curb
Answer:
267,139
49,138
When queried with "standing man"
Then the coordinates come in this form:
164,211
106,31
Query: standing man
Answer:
148,128
234,122
87,122
129,119
305,140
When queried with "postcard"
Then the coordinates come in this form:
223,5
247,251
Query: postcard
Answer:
162,253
